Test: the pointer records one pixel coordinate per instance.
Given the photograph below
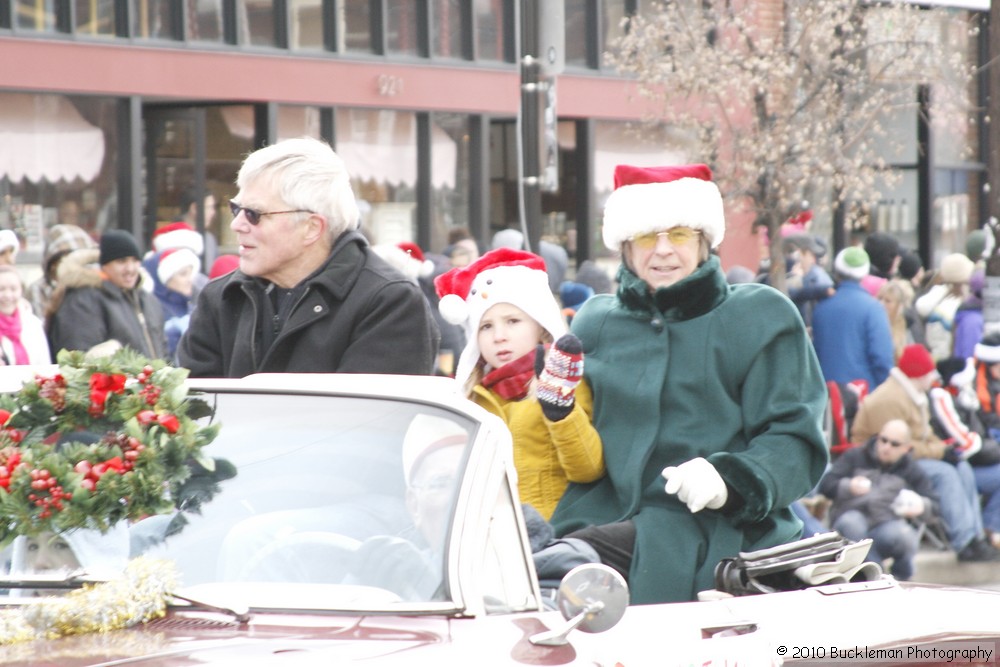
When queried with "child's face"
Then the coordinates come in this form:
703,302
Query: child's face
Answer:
506,333
48,552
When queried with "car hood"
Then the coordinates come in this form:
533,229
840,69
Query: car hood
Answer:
192,638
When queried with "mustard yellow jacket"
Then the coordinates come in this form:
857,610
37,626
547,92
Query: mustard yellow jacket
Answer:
548,455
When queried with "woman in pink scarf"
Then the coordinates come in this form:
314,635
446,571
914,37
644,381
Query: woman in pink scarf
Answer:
22,336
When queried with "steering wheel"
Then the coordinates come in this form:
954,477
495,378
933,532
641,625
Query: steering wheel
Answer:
313,557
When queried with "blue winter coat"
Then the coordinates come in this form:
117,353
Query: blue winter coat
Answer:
852,338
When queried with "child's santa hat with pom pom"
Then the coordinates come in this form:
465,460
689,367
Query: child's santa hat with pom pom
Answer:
421,266
654,199
173,260
503,275
178,235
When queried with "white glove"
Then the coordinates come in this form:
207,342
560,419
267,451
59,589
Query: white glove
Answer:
697,484
908,504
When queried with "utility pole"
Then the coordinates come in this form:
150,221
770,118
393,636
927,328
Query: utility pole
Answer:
542,58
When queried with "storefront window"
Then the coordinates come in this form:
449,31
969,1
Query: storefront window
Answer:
614,28
58,167
152,19
489,29
95,19
306,25
204,20
355,22
402,25
256,22
380,149
450,176
446,29
37,15
576,28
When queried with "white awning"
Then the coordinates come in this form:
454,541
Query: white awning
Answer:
44,138
615,144
377,145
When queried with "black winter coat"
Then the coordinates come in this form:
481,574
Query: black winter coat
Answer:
89,310
887,481
357,315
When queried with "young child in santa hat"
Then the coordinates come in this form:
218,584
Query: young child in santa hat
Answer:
511,367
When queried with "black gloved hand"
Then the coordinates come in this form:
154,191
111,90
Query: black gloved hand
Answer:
952,455
559,372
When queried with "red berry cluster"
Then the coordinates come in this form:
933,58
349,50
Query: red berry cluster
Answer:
53,389
10,459
92,472
50,494
149,391
130,447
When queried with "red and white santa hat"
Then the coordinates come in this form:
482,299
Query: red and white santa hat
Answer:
178,235
503,275
173,260
653,199
421,266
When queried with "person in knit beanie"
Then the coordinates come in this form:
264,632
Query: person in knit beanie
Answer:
850,329
939,305
683,394
107,302
520,364
60,240
884,252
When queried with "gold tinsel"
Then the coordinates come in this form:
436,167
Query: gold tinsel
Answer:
136,597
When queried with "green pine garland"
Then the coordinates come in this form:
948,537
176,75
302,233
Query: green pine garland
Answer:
103,440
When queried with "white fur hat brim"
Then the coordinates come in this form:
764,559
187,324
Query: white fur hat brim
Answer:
179,238
632,210
172,262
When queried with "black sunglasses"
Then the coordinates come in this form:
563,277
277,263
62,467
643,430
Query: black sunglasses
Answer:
253,217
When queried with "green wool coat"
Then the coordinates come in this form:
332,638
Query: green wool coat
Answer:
697,369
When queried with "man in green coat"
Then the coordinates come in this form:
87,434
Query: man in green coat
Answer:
714,388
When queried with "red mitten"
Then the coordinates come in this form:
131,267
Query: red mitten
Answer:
558,379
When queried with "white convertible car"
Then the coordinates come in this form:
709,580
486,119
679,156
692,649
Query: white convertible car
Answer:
374,520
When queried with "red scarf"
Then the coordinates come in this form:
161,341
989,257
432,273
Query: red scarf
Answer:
10,328
512,381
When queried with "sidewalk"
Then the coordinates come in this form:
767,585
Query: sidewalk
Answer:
943,567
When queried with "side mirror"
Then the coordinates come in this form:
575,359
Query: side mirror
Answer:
592,597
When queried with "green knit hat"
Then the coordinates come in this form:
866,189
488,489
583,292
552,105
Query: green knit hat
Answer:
852,263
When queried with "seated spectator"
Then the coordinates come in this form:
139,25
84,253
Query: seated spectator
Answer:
904,396
878,491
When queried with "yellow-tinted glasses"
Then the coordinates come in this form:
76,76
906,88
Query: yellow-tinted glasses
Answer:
676,235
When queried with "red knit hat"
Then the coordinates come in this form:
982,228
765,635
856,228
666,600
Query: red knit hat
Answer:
916,361
653,199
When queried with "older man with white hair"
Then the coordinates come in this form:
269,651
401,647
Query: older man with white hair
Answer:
309,294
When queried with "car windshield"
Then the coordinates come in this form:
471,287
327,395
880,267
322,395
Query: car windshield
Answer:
314,502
